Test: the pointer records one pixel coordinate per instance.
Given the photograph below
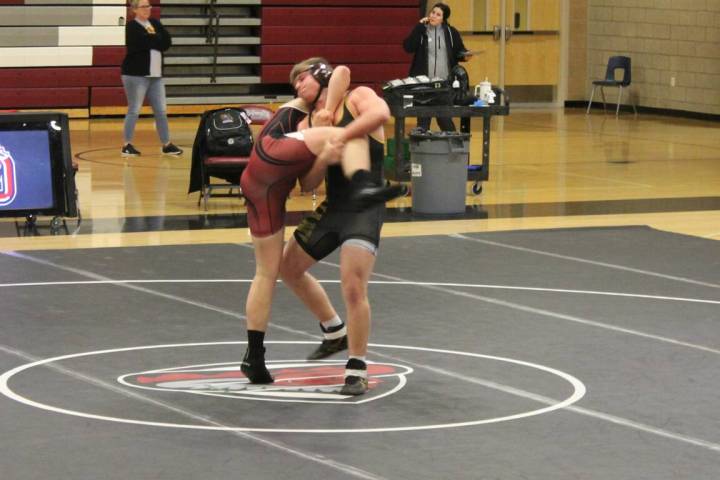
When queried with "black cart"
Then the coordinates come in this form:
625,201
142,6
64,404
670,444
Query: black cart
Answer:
401,173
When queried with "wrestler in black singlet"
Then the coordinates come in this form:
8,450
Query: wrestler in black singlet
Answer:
335,220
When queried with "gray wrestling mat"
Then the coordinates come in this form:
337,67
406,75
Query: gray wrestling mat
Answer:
559,354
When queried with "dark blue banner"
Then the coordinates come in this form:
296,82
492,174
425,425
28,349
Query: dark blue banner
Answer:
25,170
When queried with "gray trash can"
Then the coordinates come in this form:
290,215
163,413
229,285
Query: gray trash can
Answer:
438,171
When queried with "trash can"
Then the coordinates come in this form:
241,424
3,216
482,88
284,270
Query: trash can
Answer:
438,171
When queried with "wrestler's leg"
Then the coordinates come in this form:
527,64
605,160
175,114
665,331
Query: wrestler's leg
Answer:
295,274
356,266
356,167
353,159
356,156
268,254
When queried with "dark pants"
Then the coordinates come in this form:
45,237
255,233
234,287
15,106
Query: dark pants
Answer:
445,123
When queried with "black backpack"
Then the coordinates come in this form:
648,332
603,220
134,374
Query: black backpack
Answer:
227,133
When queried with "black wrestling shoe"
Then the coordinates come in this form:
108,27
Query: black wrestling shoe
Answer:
254,368
329,347
356,382
368,195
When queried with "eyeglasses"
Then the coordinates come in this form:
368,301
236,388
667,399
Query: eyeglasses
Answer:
145,6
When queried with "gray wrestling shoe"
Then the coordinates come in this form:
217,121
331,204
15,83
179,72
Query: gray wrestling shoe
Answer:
354,386
356,382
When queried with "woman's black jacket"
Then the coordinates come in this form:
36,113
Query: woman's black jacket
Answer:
138,43
417,44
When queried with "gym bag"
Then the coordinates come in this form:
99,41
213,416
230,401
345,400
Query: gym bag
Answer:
227,133
424,90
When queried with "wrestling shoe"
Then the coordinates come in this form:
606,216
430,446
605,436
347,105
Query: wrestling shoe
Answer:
254,368
335,341
366,191
329,347
129,151
356,382
370,194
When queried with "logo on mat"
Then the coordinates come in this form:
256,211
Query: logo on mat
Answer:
8,183
295,381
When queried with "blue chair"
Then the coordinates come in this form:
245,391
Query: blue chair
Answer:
614,63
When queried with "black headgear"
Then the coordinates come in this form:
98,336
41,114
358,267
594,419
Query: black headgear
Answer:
321,72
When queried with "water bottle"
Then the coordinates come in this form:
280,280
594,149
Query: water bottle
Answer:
483,91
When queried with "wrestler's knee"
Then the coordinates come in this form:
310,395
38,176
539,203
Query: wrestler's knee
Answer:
354,290
290,273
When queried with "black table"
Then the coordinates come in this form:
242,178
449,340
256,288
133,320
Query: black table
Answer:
402,164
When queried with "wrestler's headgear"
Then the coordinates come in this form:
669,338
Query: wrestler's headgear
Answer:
321,72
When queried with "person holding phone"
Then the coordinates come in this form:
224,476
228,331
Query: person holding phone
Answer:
437,47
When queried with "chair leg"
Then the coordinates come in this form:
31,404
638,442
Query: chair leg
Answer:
619,100
592,94
602,93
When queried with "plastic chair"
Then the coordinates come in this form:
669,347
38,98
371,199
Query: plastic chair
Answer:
614,63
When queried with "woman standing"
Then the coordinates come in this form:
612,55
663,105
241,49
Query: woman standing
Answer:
145,40
436,47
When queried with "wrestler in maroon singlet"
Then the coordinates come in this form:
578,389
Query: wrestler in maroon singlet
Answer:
276,162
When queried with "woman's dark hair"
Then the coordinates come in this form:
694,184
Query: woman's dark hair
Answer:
445,9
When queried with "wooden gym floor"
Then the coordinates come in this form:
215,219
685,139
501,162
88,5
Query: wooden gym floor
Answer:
549,169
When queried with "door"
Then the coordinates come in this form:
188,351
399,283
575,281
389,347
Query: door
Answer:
516,44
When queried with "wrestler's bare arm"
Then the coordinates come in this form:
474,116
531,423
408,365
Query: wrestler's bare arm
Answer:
330,103
370,111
